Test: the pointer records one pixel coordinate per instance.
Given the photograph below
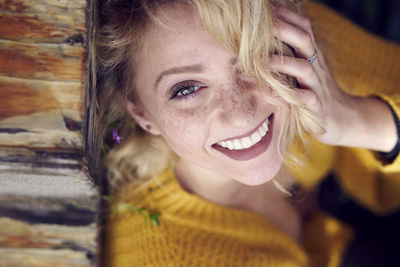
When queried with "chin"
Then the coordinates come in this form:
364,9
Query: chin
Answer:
259,175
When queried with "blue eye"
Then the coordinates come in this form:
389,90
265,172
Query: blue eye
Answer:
184,91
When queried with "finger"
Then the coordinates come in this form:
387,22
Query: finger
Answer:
308,98
295,19
305,96
299,68
297,38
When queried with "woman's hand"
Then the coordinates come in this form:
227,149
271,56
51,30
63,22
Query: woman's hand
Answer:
348,120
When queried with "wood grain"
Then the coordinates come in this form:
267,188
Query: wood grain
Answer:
17,257
25,97
44,162
43,73
49,21
20,234
38,113
62,62
48,219
49,204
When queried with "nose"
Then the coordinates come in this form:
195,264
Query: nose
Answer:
238,105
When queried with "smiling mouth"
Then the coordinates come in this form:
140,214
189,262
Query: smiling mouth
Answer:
250,146
248,141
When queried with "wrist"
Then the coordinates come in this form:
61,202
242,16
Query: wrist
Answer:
373,125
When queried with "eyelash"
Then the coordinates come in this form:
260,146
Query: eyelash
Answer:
175,96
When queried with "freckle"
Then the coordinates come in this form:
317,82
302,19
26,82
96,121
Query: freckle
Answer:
253,101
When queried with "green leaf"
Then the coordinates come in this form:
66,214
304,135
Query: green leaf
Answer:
109,198
154,217
122,206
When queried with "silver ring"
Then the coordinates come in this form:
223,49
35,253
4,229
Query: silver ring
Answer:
313,57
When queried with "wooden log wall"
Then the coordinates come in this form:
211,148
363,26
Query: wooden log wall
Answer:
48,199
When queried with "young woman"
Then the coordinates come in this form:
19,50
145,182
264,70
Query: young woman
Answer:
234,104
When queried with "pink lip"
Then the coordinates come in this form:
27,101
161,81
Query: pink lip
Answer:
252,152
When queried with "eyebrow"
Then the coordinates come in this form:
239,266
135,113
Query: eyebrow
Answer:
176,70
185,69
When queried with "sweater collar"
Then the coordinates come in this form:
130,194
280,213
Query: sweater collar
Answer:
166,195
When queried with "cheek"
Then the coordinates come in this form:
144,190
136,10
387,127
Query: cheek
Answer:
184,131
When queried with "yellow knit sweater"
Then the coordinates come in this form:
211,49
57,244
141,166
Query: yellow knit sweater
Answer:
195,232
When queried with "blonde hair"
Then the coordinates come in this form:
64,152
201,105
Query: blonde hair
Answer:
242,27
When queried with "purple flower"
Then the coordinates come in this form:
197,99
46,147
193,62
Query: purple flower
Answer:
115,135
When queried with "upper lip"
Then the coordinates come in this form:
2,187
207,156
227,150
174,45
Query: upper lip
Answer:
249,133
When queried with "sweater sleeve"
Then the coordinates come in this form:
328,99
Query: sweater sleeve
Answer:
363,65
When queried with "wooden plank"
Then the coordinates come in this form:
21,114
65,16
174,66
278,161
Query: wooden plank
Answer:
35,112
43,162
42,61
45,114
20,234
49,21
16,185
26,97
35,6
50,131
48,201
17,257
48,219
92,138
52,163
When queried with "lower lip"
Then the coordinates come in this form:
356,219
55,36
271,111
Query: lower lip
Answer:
251,152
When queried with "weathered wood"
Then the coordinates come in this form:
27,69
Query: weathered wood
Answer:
47,186
20,234
35,6
52,193
48,21
62,62
17,257
49,204
25,97
50,213
91,142
33,161
40,113
44,65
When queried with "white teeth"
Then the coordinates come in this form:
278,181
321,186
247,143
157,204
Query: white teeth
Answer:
265,125
229,144
261,131
237,145
256,137
248,141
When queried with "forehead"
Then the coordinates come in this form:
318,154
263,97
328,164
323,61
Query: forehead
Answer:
174,37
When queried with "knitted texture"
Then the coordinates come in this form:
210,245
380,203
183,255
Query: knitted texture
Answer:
195,232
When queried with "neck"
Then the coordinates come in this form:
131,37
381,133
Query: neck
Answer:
263,199
224,190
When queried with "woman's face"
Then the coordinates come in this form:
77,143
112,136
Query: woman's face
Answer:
192,94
